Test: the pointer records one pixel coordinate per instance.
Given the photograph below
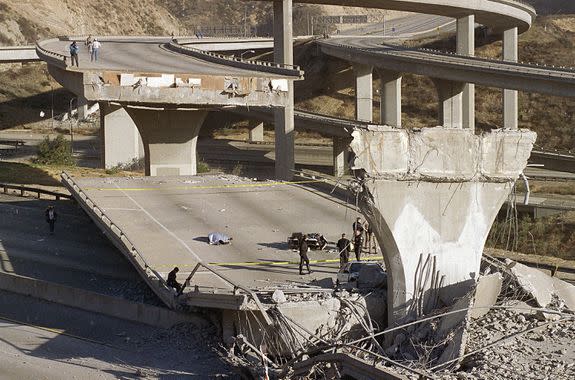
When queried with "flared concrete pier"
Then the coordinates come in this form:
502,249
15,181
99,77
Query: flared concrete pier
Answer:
431,197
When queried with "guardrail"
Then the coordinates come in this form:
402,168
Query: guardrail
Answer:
270,67
463,60
164,291
48,55
23,190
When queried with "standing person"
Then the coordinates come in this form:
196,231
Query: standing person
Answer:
343,246
357,244
51,217
369,240
74,50
96,45
172,282
303,248
358,230
88,43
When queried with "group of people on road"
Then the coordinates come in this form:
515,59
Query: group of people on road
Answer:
362,240
93,46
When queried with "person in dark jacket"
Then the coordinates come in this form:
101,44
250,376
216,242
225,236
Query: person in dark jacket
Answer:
51,217
172,282
343,247
303,248
74,50
358,231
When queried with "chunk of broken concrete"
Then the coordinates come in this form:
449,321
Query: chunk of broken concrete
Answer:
279,297
486,294
541,286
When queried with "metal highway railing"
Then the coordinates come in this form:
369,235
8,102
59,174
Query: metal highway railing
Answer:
463,60
164,291
22,190
50,55
275,68
142,264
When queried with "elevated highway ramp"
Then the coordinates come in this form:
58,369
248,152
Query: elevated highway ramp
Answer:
160,223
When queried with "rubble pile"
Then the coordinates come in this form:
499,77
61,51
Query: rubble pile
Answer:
518,323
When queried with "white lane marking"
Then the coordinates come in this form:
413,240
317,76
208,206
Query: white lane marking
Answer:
161,225
121,209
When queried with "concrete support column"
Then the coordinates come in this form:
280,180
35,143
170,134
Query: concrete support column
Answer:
284,118
170,139
340,155
431,198
82,108
363,92
510,98
256,133
119,137
450,103
390,92
466,46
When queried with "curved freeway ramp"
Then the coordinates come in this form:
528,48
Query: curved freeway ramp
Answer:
496,14
160,71
481,71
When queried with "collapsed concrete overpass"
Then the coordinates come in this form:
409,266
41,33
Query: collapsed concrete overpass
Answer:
165,89
431,194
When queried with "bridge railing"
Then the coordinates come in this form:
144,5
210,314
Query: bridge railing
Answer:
160,287
23,190
47,55
468,61
270,67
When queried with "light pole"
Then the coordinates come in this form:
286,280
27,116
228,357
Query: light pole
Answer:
246,52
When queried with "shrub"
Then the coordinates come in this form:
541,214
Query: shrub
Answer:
202,167
55,152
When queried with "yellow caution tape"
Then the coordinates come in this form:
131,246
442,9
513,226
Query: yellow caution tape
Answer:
265,263
235,186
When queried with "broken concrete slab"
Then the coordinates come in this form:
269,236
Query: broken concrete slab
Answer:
541,286
279,297
486,293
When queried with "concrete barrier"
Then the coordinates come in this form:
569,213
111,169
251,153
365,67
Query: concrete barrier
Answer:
94,302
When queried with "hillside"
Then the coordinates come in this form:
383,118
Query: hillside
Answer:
25,21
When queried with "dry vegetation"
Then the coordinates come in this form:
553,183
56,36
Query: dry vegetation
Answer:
550,236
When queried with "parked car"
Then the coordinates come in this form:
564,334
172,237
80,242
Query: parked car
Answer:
362,274
314,240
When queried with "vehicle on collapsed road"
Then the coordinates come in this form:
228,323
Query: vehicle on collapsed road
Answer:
362,274
314,240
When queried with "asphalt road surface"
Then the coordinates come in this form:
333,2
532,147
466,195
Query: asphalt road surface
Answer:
41,340
77,255
168,219
141,55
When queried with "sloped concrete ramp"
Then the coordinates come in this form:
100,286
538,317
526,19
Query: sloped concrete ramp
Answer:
163,222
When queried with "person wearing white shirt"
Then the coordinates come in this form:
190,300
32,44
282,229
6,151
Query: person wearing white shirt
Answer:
96,45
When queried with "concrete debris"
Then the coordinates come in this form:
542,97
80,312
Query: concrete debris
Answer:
492,337
486,294
279,297
542,287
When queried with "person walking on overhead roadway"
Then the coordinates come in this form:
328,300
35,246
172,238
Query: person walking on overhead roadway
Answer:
173,282
51,217
303,248
344,247
74,50
96,45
